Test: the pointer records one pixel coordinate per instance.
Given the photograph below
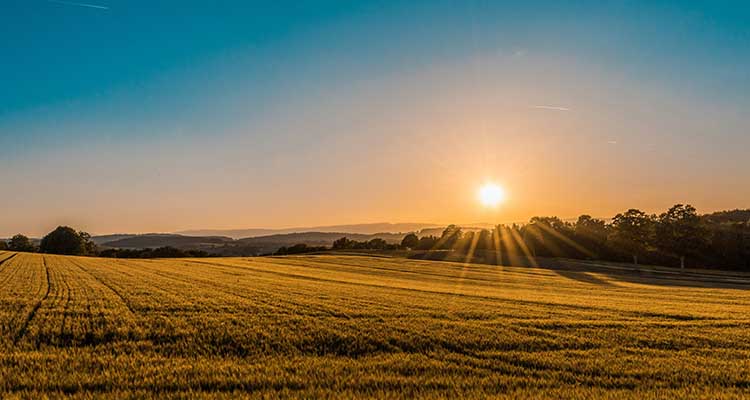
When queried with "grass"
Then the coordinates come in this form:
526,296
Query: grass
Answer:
354,326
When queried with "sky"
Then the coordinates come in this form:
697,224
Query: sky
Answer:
141,116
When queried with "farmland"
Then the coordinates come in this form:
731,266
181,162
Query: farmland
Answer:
352,326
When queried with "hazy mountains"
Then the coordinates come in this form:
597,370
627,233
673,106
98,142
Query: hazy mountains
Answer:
364,229
245,242
226,246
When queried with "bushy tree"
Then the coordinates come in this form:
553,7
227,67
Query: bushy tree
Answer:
631,232
410,241
552,237
343,243
377,244
427,243
591,233
679,232
450,237
3,245
65,240
21,243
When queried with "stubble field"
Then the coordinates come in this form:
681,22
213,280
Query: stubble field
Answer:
351,326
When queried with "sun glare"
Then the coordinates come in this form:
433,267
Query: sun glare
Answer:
491,195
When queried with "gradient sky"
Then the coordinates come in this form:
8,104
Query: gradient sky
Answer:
141,116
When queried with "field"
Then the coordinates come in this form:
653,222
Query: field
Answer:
352,326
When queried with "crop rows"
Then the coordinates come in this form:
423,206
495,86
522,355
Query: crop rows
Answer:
350,326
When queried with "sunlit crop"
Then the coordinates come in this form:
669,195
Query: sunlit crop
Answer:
350,326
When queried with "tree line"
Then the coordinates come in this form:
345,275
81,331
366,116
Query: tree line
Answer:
63,240
67,241
676,237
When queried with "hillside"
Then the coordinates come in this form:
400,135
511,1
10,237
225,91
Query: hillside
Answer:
271,243
153,240
242,247
363,229
363,327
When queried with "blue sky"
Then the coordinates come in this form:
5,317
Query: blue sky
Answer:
256,102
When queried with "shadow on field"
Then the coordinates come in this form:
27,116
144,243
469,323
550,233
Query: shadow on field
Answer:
583,277
583,271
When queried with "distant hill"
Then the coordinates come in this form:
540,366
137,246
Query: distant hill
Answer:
226,246
271,243
111,238
364,229
154,240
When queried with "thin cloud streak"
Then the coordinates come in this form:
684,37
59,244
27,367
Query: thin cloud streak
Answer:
556,108
70,3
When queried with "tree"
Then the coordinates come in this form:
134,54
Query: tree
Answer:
3,245
552,237
679,232
483,240
631,232
427,242
343,243
63,240
591,233
377,244
451,235
91,247
410,241
21,243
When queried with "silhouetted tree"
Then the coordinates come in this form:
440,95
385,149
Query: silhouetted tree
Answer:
427,243
161,252
21,243
299,248
451,235
410,241
679,232
3,245
343,243
377,244
483,240
64,240
591,233
553,237
91,247
631,232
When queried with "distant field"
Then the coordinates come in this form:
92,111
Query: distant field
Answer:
351,326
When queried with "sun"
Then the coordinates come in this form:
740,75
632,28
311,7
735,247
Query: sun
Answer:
491,195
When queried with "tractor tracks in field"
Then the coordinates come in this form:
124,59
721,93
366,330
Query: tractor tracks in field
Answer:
117,293
7,278
25,326
8,259
66,308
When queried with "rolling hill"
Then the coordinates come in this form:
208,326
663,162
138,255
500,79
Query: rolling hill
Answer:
364,229
242,247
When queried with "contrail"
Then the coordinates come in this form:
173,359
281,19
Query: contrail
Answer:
71,3
552,108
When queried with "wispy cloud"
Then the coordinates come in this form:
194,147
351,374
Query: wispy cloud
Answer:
556,108
612,141
71,3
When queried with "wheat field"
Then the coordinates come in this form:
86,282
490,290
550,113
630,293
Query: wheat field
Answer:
353,326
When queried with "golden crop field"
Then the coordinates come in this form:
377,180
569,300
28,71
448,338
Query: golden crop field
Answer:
352,326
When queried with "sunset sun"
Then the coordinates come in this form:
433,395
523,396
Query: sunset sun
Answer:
491,195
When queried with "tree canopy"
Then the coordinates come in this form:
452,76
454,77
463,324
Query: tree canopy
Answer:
65,240
21,243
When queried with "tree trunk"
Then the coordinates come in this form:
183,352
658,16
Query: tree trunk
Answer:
682,262
635,259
